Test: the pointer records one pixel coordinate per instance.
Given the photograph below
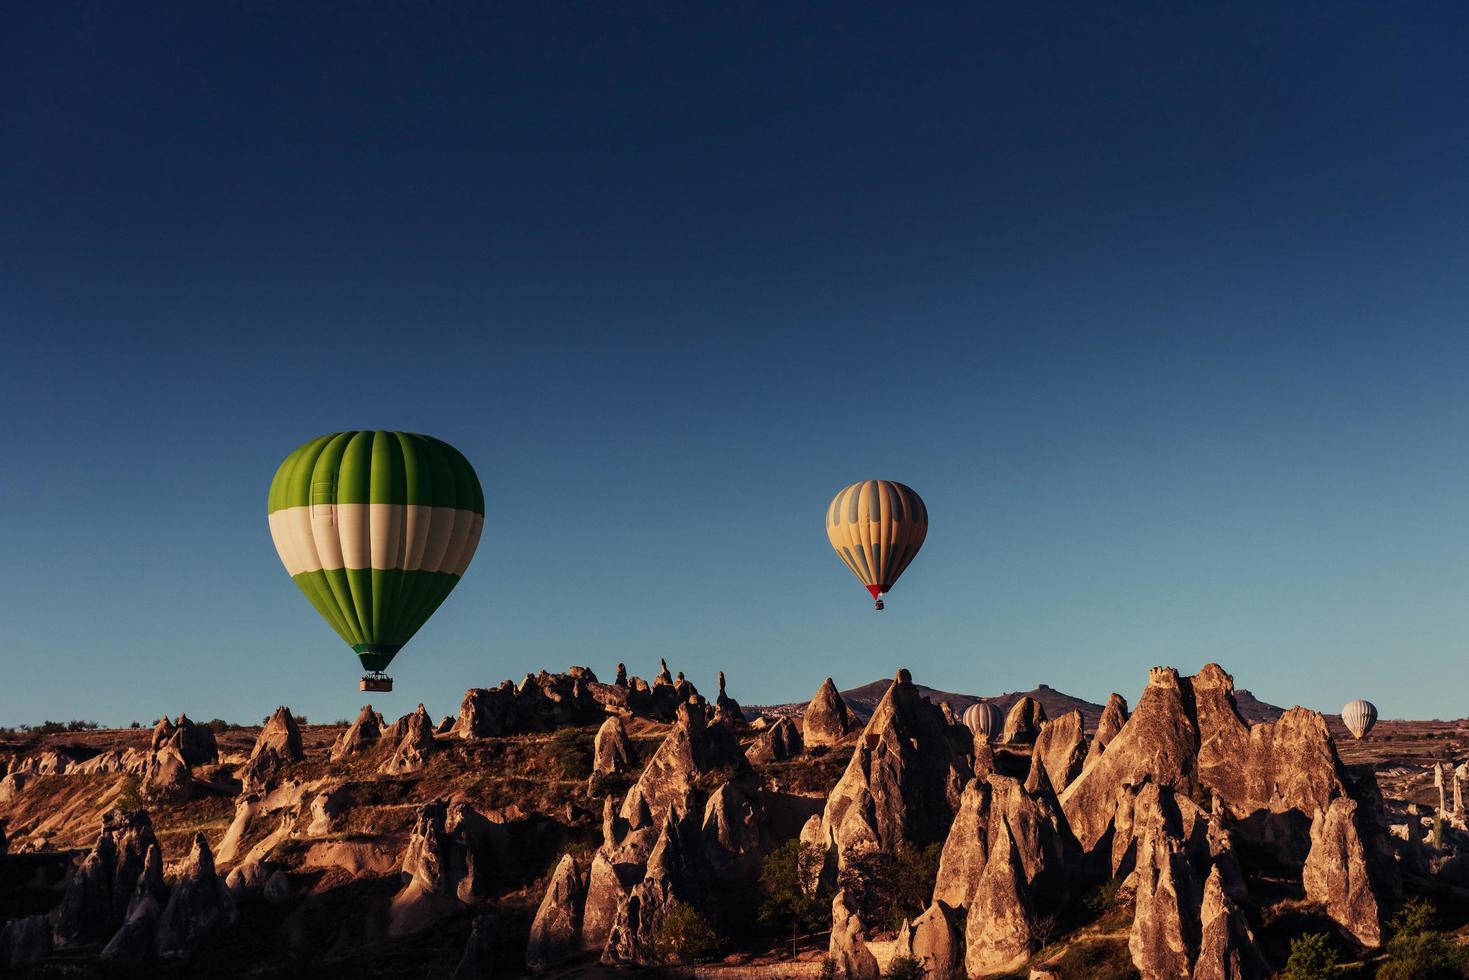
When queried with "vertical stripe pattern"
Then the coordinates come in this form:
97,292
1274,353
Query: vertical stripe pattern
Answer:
1359,717
983,718
376,528
876,528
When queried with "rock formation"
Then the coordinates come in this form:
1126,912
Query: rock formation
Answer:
673,876
934,941
168,778
780,742
198,906
726,708
414,745
540,703
1023,721
827,720
448,861
1227,949
1060,749
97,897
277,746
965,850
904,780
281,735
478,961
1158,744
848,945
734,835
133,943
998,933
196,743
360,736
1336,872
555,935
24,941
1114,716
692,748
1165,924
612,750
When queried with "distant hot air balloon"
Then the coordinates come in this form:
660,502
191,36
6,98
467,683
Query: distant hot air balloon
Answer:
984,718
876,527
376,528
1359,717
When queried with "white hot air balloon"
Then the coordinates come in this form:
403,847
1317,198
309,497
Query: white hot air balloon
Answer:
983,718
1359,717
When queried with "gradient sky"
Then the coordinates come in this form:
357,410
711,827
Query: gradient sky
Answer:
1161,307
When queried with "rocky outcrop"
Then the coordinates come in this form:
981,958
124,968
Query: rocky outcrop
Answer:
726,708
934,941
478,961
1272,776
448,861
1158,744
1336,872
97,897
851,958
1165,919
198,906
196,743
24,941
1114,716
133,943
277,747
778,743
414,745
1227,949
1060,749
673,876
734,833
965,850
999,929
693,748
327,808
1023,721
826,721
540,703
555,935
281,735
903,783
612,750
360,736
168,778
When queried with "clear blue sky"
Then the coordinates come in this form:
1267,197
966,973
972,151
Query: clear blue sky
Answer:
1161,307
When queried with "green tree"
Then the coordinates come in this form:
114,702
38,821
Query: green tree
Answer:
130,797
790,883
1418,950
1312,957
904,968
685,936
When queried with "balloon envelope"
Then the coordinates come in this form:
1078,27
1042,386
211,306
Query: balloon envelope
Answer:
1359,717
376,529
876,527
984,719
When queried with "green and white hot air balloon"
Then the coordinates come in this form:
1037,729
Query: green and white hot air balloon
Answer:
376,528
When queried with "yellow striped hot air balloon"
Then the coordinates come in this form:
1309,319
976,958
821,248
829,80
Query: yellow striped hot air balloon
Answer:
876,527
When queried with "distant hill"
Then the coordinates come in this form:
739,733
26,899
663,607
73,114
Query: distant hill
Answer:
863,701
1253,709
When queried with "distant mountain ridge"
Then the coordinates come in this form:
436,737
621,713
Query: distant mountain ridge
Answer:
863,701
